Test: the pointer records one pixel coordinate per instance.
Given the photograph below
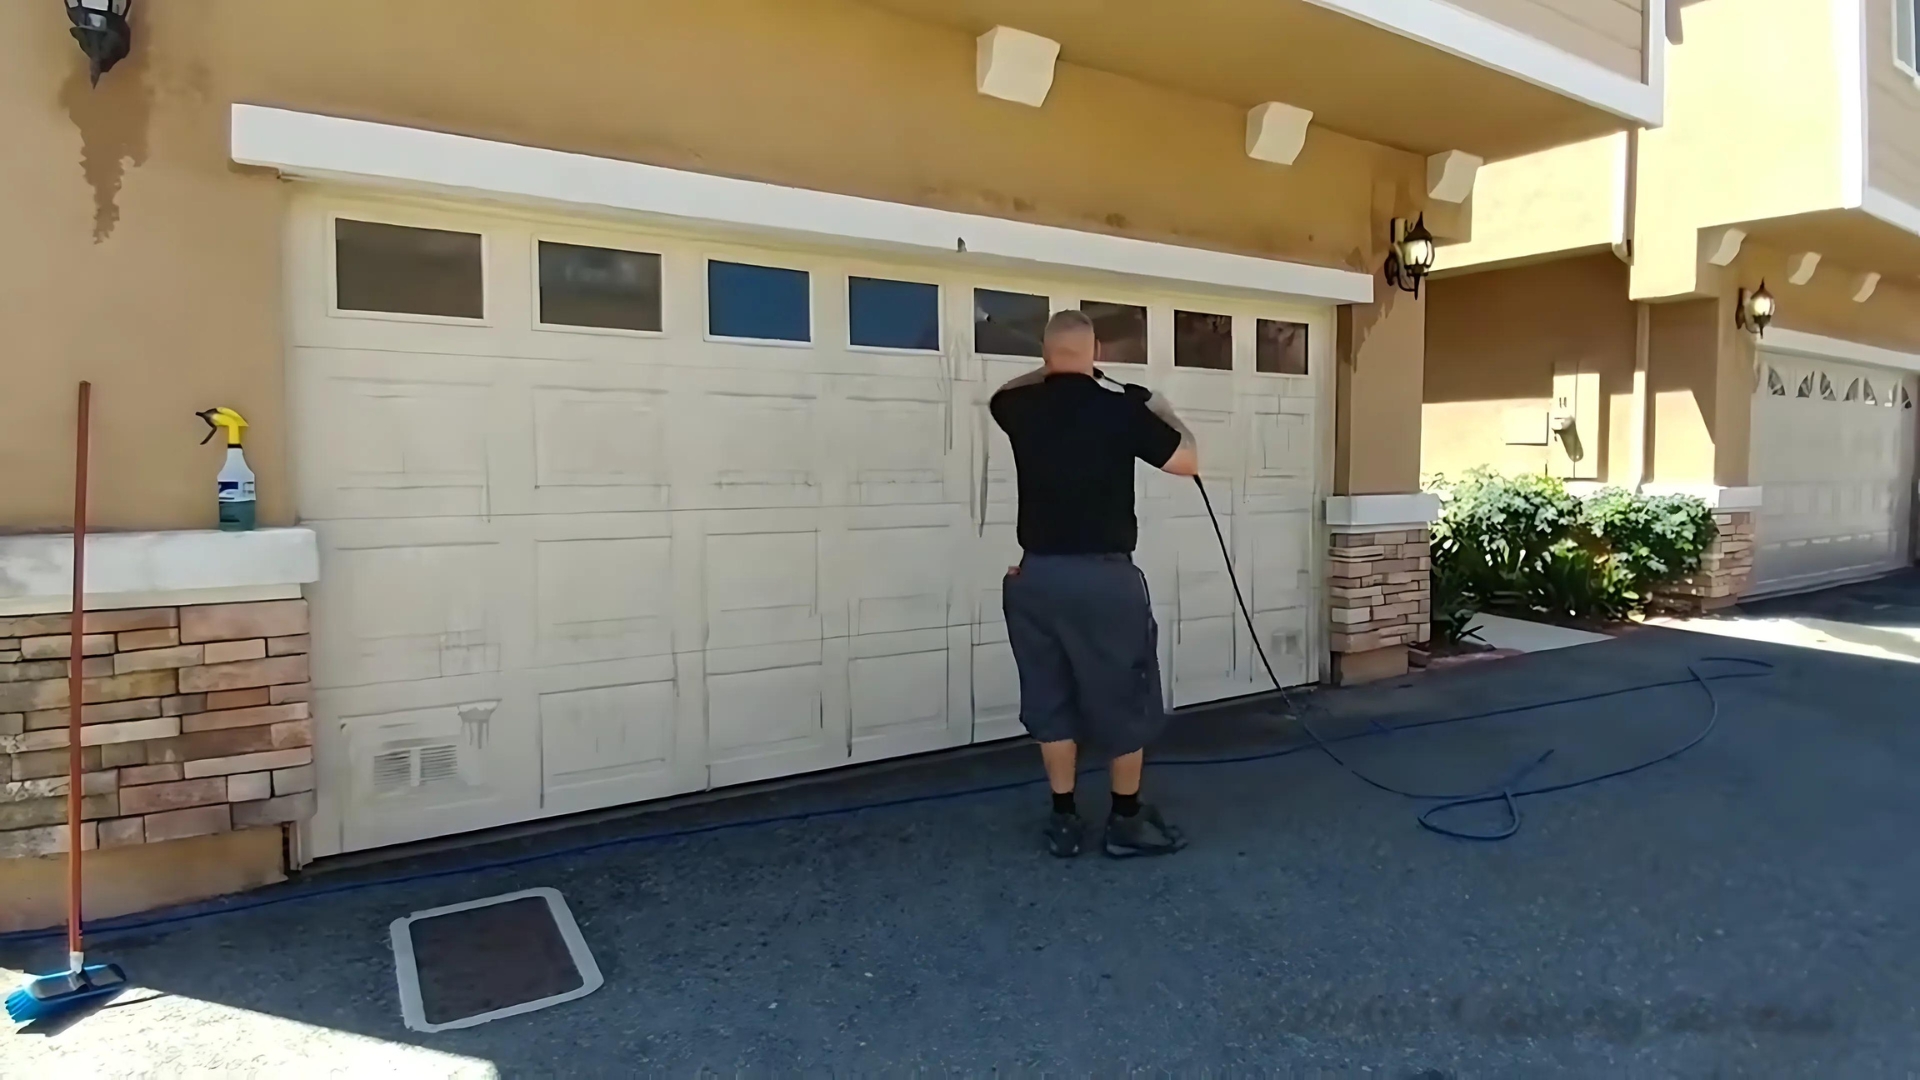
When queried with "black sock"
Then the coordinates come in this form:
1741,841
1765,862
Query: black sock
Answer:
1126,805
1063,803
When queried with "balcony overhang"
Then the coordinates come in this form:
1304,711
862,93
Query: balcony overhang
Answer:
1421,75
1882,235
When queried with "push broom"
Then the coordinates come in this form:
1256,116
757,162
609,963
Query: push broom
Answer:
44,995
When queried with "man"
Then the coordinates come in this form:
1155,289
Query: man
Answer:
1078,615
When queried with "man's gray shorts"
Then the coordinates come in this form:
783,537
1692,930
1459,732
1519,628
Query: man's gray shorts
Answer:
1083,635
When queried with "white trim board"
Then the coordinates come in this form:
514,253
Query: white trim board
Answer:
1347,513
1502,48
1891,209
1715,496
309,146
1800,343
157,569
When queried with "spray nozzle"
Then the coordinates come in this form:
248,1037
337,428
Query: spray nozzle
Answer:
222,417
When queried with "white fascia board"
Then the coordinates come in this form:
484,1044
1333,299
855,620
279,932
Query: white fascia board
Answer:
155,569
1892,210
310,146
1502,48
1352,513
1800,343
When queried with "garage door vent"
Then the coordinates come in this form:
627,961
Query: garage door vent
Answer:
411,768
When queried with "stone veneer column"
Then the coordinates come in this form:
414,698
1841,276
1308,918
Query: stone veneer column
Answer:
1726,570
1379,583
195,722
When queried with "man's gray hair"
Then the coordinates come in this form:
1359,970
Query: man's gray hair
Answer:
1068,320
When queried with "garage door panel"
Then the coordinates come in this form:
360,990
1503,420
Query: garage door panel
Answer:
409,609
613,733
899,694
775,711
391,448
739,449
761,588
898,448
996,692
421,770
600,449
603,598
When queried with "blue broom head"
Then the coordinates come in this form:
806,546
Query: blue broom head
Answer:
45,995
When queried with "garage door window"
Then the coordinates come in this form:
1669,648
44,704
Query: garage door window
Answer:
1008,323
1121,330
758,303
1280,348
1201,340
401,270
1906,36
599,288
887,314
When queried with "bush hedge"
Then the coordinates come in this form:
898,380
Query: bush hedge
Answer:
1526,546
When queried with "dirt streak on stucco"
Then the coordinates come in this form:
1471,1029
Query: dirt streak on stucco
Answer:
112,119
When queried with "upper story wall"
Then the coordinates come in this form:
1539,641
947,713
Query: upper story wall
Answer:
139,257
1893,109
1610,33
1760,107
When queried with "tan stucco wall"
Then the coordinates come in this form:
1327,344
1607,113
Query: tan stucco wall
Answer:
1493,340
1377,395
1754,129
155,266
1611,33
1557,202
122,880
1893,111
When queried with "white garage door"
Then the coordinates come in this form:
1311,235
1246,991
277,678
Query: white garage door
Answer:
612,515
1833,451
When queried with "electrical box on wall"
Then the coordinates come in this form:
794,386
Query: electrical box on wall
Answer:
1525,425
1573,420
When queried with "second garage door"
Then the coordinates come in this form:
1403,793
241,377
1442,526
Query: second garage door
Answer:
1833,452
610,515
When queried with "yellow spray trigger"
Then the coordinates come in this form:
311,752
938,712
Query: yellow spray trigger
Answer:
223,417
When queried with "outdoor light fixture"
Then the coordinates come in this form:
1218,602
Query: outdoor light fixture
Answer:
101,28
1410,256
1754,310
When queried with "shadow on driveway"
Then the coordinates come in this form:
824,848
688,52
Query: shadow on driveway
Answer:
1744,910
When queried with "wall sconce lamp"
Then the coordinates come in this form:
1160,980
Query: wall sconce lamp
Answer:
1754,310
1410,256
104,34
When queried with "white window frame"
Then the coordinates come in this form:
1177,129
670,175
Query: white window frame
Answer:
706,303
939,311
1906,38
561,236
405,219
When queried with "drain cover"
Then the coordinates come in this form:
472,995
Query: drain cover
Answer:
466,964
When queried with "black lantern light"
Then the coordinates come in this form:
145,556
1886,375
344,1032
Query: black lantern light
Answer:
101,28
1754,310
1410,256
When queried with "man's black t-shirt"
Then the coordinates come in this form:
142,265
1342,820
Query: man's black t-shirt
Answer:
1074,444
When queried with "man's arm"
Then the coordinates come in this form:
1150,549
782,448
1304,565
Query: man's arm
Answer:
1186,460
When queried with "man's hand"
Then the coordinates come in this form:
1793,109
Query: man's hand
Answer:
1186,460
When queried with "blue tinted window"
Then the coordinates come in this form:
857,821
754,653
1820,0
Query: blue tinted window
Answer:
766,302
886,314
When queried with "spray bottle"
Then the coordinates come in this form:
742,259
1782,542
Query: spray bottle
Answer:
235,482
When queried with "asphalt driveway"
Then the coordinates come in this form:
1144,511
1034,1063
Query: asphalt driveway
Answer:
1745,910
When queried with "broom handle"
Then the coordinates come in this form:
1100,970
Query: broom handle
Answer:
74,687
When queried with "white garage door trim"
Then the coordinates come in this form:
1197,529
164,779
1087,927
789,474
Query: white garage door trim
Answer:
306,145
1268,486
1812,533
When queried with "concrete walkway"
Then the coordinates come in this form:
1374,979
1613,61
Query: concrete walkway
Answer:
1747,910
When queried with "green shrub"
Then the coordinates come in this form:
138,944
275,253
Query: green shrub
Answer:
1525,545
